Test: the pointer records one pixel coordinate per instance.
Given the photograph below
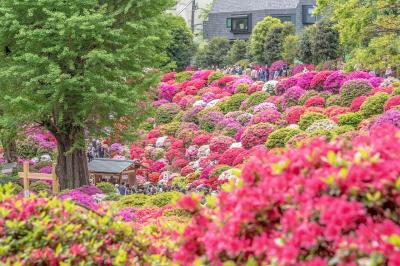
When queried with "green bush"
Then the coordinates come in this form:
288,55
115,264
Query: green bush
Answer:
166,113
56,226
106,187
233,103
177,212
113,197
309,118
180,181
322,132
280,137
242,88
324,124
396,91
15,188
352,89
307,95
257,98
4,179
334,100
341,130
162,199
214,76
170,128
40,186
350,119
373,105
134,200
219,169
183,76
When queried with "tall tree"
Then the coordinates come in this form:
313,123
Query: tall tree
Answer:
274,41
305,48
289,48
79,65
325,42
369,30
237,52
181,47
216,51
258,37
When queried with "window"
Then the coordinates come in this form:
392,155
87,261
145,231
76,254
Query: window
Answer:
308,17
238,24
285,18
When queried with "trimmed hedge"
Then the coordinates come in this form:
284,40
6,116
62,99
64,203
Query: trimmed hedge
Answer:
280,137
309,118
374,105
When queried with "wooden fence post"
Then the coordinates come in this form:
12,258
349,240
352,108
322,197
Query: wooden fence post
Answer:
26,179
56,186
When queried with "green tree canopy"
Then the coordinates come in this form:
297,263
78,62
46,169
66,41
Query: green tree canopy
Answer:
237,52
369,30
305,51
74,66
258,37
212,53
274,41
325,42
181,47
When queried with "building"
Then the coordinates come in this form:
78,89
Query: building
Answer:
235,19
184,8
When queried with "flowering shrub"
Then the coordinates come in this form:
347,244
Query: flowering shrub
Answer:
183,76
333,100
105,187
230,155
269,87
74,235
294,113
373,105
214,76
268,116
357,102
317,83
209,120
256,134
334,81
301,67
256,98
315,101
352,89
304,80
307,206
324,124
307,119
307,95
390,117
264,107
280,137
166,113
392,102
233,103
166,92
220,144
292,96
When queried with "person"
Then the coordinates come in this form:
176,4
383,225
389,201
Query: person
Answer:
122,189
266,73
388,72
116,188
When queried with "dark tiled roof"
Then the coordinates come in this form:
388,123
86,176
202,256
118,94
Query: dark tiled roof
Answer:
221,6
109,166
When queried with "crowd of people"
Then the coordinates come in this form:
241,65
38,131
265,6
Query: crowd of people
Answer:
97,149
257,72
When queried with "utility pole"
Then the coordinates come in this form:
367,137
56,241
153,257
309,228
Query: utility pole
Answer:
194,7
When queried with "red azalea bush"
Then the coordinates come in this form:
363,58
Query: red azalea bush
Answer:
229,156
315,101
357,102
293,114
322,202
317,83
256,134
392,102
220,144
387,90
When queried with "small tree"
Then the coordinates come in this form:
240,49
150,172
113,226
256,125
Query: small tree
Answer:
237,52
258,37
325,42
305,51
200,58
274,41
181,47
289,49
79,65
217,50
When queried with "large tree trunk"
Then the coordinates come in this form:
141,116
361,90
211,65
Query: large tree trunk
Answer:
72,165
10,151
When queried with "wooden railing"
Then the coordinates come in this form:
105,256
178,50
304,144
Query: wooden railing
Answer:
26,175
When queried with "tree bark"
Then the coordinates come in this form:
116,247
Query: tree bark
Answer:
72,165
10,151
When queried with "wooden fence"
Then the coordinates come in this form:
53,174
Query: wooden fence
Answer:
26,175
